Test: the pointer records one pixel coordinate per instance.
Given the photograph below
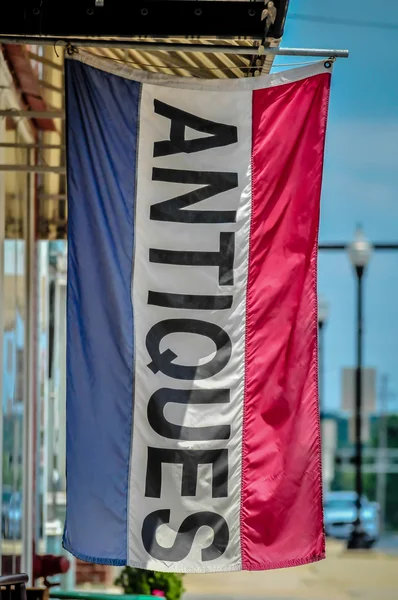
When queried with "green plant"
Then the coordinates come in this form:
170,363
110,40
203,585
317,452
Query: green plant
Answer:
138,581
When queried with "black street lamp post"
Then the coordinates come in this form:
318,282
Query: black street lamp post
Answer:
359,251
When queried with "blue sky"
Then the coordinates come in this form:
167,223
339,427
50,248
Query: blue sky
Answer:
360,179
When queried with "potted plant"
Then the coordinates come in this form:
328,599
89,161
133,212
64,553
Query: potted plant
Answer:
138,581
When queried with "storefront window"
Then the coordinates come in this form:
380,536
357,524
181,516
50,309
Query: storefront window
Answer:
15,187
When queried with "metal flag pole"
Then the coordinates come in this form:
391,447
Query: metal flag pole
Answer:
173,47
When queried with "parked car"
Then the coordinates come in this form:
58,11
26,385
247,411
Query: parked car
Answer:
12,516
340,513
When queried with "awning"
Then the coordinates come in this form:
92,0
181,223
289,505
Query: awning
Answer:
26,80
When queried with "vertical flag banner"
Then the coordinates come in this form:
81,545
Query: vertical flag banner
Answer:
193,438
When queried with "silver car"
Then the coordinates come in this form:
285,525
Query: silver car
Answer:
340,513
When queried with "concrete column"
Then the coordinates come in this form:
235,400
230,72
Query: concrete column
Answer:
29,456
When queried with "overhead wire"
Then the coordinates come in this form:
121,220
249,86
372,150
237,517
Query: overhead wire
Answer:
189,68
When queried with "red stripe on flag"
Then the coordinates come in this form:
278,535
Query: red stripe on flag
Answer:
281,512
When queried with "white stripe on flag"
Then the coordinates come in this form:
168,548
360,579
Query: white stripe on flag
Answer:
190,349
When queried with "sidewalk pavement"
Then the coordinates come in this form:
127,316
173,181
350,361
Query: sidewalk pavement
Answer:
359,575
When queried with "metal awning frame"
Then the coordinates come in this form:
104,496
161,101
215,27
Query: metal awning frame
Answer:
73,44
60,170
146,18
252,46
35,146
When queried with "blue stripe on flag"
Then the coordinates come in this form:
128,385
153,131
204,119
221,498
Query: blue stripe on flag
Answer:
102,112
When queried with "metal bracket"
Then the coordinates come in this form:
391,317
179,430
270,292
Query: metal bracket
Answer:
268,18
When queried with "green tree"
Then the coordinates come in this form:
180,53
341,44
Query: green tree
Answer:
370,479
343,481
346,480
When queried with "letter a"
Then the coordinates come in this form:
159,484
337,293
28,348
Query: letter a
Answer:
219,134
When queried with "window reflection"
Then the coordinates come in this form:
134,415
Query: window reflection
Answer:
14,303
